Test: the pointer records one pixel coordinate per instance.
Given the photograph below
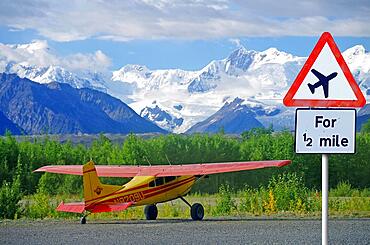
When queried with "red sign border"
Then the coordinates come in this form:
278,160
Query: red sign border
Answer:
288,100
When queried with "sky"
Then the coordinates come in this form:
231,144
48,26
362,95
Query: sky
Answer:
164,34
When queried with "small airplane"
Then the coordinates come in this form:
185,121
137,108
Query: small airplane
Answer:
323,81
149,185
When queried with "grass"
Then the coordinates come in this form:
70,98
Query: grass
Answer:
285,196
44,207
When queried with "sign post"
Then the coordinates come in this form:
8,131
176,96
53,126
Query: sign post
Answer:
325,81
325,197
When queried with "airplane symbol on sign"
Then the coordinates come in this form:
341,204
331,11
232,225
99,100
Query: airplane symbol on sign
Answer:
323,81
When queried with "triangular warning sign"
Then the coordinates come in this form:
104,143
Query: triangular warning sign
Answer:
325,80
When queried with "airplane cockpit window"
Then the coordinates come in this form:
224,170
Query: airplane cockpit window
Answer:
159,181
151,183
169,178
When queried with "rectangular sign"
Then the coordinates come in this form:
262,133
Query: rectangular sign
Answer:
325,131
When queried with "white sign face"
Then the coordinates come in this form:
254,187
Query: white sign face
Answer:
336,85
326,80
325,131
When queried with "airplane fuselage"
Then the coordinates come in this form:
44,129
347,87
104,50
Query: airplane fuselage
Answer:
323,81
144,190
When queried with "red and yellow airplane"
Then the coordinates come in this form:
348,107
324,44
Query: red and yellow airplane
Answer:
149,185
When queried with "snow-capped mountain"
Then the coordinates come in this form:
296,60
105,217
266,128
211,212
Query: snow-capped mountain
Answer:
236,117
263,77
35,59
244,73
162,118
358,61
58,108
52,73
184,98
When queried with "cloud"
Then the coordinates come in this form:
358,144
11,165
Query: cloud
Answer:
236,42
195,19
38,53
97,61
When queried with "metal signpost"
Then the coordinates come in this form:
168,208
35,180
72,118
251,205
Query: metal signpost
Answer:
325,81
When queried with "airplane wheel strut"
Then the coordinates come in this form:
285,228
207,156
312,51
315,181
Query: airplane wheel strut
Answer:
197,211
151,212
83,220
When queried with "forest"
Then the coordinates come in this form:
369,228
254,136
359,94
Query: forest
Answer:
19,158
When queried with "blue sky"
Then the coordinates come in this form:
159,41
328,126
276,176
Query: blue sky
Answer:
176,34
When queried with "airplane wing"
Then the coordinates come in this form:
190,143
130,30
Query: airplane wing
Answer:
320,76
165,170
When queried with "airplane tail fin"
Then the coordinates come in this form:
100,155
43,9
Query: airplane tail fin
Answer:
93,188
312,87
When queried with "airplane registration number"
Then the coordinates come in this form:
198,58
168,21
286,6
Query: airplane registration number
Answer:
135,197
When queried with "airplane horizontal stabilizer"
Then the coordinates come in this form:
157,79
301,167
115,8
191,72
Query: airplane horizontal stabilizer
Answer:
312,88
76,207
110,208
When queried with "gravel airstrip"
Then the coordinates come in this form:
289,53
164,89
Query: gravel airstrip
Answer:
174,231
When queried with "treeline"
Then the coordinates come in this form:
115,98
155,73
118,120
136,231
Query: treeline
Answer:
19,159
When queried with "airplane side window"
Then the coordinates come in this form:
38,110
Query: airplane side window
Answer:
151,183
159,181
169,178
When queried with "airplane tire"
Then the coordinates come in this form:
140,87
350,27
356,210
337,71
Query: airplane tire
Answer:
151,212
197,211
83,220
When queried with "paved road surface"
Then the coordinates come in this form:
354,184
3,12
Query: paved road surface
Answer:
211,231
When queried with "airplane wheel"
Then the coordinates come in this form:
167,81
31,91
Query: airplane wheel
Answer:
197,211
83,220
151,212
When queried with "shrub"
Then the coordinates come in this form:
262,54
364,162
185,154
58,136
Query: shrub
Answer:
270,205
10,195
253,200
224,203
343,189
38,206
51,183
289,191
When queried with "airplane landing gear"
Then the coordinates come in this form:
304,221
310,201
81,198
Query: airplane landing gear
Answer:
83,220
151,212
196,210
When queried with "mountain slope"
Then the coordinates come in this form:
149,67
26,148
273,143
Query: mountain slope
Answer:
160,117
233,118
6,124
363,116
60,108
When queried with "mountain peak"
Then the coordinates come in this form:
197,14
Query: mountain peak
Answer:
356,50
131,73
240,58
240,52
134,68
274,52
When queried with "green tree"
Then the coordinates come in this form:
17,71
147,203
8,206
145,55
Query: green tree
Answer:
366,127
10,195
